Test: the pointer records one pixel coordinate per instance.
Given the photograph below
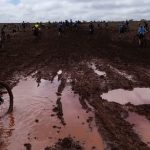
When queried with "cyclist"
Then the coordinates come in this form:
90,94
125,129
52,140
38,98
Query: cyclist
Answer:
36,29
23,26
121,28
141,33
127,25
60,28
76,26
91,28
3,34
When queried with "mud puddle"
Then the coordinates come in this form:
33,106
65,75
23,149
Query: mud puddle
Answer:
138,96
33,120
141,126
99,73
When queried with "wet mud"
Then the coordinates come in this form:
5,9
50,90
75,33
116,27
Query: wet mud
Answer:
87,89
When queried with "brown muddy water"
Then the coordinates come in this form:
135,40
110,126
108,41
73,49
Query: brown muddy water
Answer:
138,96
141,126
33,120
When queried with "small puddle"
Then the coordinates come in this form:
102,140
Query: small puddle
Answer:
33,120
138,96
141,126
100,73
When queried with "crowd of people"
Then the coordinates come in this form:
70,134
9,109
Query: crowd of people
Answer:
63,25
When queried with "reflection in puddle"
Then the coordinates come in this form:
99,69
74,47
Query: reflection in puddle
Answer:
138,96
100,73
141,126
35,122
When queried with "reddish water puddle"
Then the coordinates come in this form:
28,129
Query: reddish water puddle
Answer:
137,97
141,126
33,120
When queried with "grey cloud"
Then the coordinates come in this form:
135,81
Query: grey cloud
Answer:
35,10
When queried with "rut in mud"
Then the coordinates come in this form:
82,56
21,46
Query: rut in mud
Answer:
80,90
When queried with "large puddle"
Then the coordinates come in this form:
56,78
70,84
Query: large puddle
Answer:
138,96
141,126
33,120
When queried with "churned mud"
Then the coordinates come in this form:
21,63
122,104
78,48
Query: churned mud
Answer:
76,92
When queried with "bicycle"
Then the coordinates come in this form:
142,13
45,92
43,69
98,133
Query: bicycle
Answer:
140,41
6,99
36,32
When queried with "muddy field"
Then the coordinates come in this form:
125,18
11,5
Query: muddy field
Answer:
78,91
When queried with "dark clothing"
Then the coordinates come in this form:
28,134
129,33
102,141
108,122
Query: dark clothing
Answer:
3,35
141,36
91,27
23,25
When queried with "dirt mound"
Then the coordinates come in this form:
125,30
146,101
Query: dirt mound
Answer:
67,143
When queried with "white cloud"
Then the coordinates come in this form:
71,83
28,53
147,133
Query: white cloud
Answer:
35,10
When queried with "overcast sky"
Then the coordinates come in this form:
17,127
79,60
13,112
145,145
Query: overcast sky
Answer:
44,10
